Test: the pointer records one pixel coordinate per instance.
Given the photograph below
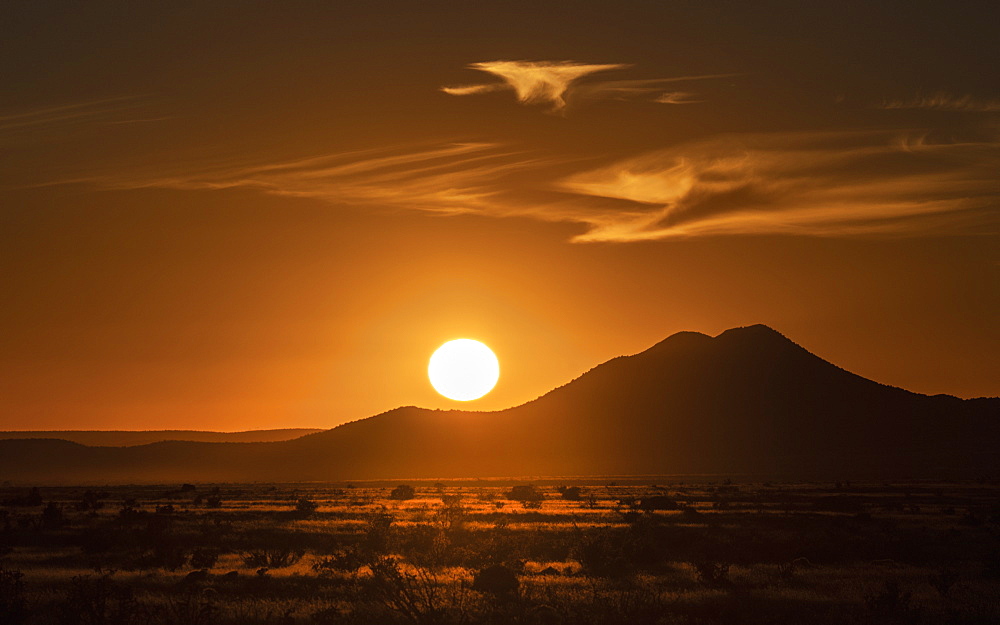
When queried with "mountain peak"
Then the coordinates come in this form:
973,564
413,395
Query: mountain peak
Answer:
756,330
681,340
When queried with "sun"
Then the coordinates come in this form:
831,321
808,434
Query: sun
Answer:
463,369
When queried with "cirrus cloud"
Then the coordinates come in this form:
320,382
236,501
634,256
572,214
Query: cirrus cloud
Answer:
554,82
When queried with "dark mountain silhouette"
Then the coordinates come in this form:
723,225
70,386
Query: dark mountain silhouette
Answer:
746,401
127,438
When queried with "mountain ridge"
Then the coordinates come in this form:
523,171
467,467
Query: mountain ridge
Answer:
748,400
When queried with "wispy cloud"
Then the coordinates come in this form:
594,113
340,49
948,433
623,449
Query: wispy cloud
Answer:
108,111
945,102
804,183
678,97
556,82
448,179
823,184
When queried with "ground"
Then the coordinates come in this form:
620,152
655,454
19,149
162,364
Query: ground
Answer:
617,550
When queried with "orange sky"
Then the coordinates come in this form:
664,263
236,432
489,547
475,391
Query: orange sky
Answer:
259,216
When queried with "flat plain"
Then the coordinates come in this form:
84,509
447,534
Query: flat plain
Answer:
615,550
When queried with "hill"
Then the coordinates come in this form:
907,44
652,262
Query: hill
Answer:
128,438
746,401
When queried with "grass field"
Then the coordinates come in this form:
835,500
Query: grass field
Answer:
624,550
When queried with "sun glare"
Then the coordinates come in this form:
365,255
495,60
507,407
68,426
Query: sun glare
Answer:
463,369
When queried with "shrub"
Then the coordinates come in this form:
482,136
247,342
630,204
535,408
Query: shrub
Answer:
571,493
525,493
343,561
204,558
52,516
657,502
306,506
416,596
402,493
272,558
604,556
889,602
13,607
497,580
100,600
711,573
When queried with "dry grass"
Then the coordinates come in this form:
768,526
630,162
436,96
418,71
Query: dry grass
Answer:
734,553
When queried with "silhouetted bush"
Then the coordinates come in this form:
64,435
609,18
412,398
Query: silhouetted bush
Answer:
204,558
711,573
13,606
605,556
343,561
31,500
497,580
402,493
101,601
306,506
525,493
657,502
888,604
52,516
415,596
571,493
272,558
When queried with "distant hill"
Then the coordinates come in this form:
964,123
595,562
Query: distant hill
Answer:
746,401
128,438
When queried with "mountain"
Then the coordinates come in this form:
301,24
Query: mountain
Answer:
128,438
746,401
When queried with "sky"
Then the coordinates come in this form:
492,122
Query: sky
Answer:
244,215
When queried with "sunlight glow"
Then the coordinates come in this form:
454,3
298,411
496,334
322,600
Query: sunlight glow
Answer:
463,369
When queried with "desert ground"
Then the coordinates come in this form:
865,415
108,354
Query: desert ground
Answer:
691,550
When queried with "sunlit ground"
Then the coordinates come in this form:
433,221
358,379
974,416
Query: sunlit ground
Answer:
771,552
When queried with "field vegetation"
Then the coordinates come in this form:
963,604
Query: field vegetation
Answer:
665,550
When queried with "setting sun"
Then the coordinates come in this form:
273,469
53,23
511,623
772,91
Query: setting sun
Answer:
463,369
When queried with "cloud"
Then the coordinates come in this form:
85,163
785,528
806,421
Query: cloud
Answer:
96,111
555,82
533,82
789,183
820,184
945,102
448,178
678,97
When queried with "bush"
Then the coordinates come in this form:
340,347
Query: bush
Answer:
711,573
100,600
13,607
402,492
204,558
657,502
525,493
306,506
343,561
273,558
604,556
571,493
496,580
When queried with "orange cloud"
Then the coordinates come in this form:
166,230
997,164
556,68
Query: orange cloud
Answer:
821,184
945,102
554,82
545,81
815,184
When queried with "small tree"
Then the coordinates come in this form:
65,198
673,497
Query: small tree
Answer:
306,506
402,493
526,493
571,493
